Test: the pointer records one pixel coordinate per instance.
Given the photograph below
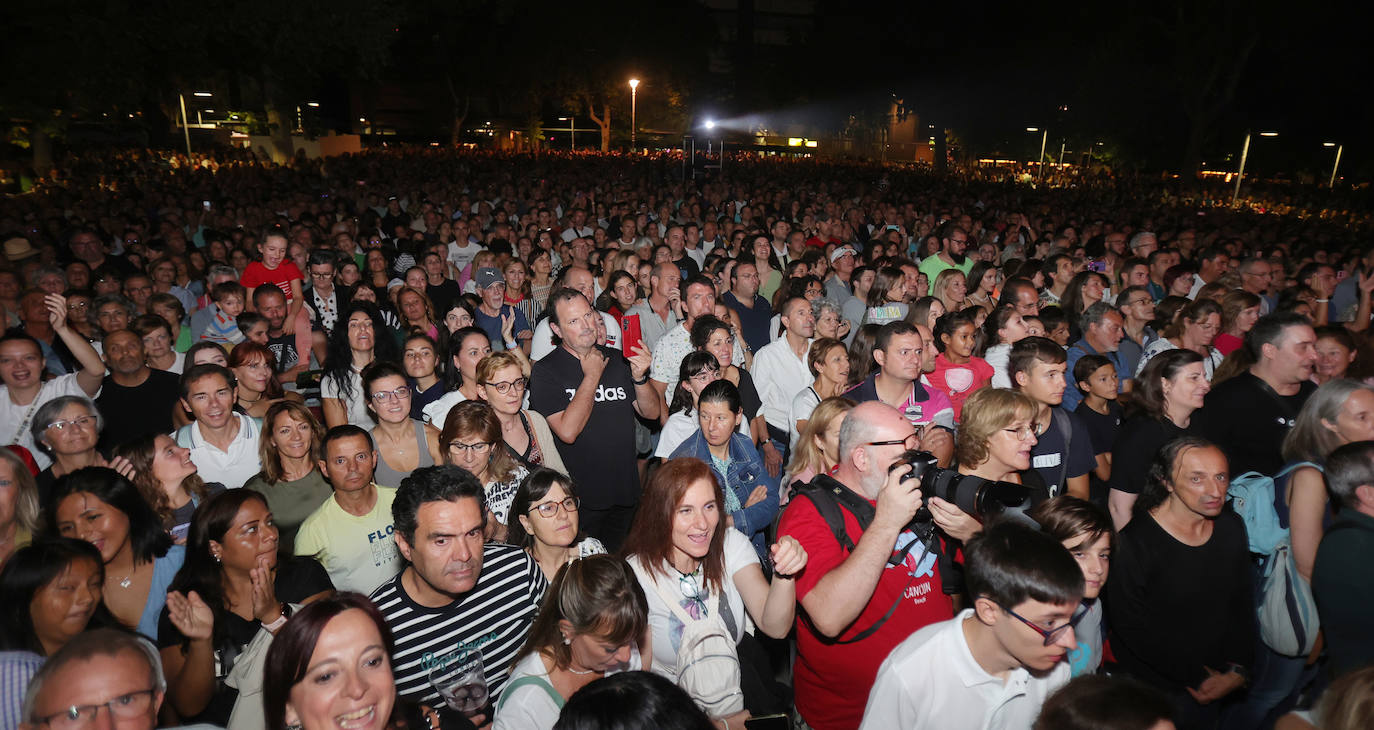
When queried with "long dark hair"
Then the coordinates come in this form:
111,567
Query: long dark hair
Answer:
201,572
598,594
693,363
453,375
28,571
288,658
338,358
148,539
1149,390
1161,475
141,454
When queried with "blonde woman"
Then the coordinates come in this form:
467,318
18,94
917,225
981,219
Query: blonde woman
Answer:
818,445
951,288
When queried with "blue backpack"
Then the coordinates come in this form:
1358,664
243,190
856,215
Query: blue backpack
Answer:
1287,613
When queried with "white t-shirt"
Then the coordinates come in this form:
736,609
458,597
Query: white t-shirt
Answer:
931,680
542,343
679,428
664,625
17,420
436,413
355,405
461,256
803,405
530,706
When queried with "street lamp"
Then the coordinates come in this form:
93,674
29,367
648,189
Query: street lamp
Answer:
1335,165
572,126
1044,136
1245,154
634,87
185,124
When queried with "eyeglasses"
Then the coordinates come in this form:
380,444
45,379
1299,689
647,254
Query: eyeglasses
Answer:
1024,433
550,509
386,396
82,422
915,435
317,275
505,386
477,448
125,706
1050,635
694,592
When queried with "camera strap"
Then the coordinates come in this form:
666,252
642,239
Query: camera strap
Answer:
831,500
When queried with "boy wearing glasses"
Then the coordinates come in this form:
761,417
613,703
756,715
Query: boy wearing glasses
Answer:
351,533
994,664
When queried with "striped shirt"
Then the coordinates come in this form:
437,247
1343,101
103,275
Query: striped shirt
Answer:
494,618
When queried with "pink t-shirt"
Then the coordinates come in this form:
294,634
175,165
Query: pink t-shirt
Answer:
959,381
256,275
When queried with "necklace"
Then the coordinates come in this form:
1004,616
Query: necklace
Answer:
127,581
255,400
581,671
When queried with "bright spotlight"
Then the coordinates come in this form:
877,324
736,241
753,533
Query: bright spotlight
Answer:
710,124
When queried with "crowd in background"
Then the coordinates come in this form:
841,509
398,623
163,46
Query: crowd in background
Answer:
455,438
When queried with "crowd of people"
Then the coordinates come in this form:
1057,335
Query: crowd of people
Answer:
430,438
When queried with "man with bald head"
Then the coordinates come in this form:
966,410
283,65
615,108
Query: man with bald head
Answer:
863,595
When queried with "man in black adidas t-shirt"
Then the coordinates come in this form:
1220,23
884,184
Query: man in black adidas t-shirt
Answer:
590,395
459,595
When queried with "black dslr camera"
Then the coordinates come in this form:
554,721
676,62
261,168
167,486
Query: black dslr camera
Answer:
977,496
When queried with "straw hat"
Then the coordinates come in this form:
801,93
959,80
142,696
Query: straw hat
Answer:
18,249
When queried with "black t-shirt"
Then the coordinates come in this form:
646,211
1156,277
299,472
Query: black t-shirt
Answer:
297,579
1103,428
137,411
1137,443
1248,420
284,347
748,395
443,295
601,461
1049,455
687,266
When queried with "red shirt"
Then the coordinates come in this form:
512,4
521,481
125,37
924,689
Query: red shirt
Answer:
256,275
831,681
959,381
1227,343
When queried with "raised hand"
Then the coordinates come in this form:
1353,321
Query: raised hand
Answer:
57,311
788,555
640,361
594,364
190,615
266,607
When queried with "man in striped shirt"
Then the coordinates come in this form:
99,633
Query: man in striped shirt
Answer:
459,594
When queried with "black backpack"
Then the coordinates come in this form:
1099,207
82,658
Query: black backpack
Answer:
832,499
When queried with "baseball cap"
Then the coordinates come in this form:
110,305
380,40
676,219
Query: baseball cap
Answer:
486,276
842,251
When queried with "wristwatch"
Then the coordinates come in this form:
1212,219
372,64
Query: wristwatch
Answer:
280,621
1241,670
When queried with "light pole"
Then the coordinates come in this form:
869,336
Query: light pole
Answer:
1335,165
1244,155
572,127
1044,137
634,87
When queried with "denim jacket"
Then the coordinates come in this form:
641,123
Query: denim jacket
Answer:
745,473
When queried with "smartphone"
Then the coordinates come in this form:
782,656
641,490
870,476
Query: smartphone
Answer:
630,334
1098,266
767,722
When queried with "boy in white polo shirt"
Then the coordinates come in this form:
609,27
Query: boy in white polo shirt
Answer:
351,533
993,665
